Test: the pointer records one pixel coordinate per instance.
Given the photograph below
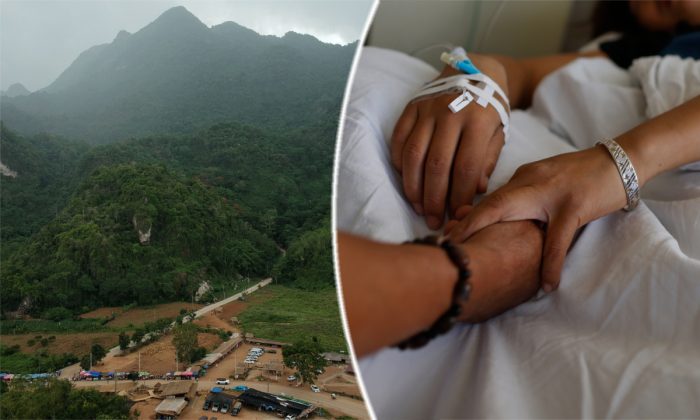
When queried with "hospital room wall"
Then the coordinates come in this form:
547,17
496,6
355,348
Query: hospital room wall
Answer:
516,28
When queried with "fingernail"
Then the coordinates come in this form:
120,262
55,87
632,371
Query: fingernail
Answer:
433,222
547,288
418,208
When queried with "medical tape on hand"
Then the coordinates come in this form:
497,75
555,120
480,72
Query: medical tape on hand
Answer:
484,93
481,77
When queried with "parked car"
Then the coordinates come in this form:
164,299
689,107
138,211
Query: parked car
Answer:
204,418
236,408
314,388
241,388
222,381
207,404
215,407
291,378
224,408
272,351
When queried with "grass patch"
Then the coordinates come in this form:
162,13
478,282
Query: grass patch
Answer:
286,314
22,326
13,361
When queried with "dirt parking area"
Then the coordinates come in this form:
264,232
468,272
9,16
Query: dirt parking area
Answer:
157,358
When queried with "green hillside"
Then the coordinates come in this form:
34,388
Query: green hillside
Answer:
46,174
217,142
134,233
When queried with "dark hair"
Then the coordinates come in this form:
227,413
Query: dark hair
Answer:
636,41
614,16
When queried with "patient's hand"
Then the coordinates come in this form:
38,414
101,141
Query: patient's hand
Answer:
505,264
439,152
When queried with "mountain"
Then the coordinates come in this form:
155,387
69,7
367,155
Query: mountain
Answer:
41,174
133,233
176,75
216,204
16,89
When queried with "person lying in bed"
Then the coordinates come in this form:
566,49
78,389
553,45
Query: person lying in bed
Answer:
446,158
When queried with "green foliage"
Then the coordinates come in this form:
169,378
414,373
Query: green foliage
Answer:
185,342
278,182
305,356
123,340
86,362
57,313
137,336
308,263
46,170
290,315
14,361
21,326
198,354
98,352
91,254
54,398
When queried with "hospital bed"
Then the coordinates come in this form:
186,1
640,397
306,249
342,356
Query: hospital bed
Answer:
621,336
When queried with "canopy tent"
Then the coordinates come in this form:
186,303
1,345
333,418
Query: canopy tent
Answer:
171,406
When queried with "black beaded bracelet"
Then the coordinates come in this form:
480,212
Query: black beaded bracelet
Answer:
460,294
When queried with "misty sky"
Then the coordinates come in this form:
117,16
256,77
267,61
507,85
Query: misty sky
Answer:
41,38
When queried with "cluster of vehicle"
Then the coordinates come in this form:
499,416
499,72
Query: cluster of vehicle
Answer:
223,407
253,355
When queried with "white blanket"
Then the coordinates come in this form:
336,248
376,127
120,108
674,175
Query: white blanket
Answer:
621,336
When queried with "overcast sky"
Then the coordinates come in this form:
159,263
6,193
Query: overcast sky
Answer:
41,38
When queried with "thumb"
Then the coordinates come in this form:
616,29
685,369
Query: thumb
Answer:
560,233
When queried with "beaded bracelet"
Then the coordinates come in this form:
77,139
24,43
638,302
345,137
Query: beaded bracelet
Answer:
460,294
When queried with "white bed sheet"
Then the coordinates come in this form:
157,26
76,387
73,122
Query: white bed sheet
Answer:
620,338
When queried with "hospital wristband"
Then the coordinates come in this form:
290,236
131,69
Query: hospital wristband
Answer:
630,181
460,294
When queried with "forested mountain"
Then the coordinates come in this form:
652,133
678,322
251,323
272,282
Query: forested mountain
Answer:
176,75
134,233
218,203
178,154
41,172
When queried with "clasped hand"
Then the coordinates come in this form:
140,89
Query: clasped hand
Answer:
446,158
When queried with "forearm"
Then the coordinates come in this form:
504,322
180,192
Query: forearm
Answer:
525,74
666,142
394,291
391,291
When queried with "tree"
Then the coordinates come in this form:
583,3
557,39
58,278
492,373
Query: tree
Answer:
137,336
55,398
306,357
123,341
98,353
85,362
185,341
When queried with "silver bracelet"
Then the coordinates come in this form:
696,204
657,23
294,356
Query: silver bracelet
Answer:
627,172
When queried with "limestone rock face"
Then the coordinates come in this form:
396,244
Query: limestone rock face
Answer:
144,233
4,170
